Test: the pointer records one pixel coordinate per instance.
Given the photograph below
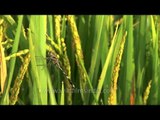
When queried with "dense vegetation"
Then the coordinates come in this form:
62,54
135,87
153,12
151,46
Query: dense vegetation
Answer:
79,59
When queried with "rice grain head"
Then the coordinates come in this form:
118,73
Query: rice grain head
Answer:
146,93
112,100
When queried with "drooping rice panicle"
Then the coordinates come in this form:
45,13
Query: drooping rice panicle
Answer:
22,52
54,45
18,81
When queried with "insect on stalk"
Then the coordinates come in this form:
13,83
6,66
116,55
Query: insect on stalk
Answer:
54,59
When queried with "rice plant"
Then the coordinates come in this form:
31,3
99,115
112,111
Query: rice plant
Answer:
79,59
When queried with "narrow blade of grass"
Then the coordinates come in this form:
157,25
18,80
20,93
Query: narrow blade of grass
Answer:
38,29
155,87
62,95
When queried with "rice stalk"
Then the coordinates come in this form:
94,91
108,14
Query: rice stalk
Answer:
112,100
61,50
107,64
78,52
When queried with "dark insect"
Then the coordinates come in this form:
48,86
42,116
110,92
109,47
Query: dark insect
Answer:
53,58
